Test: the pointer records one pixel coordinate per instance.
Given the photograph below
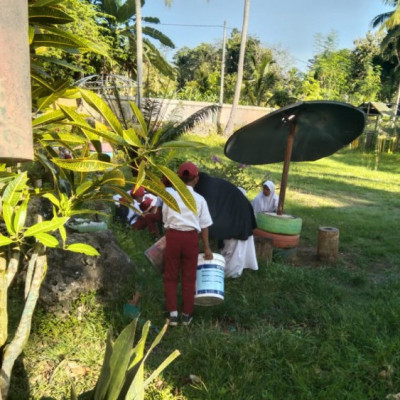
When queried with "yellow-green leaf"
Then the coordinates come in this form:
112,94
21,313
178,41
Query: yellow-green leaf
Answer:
180,187
8,214
95,133
48,118
82,164
46,239
46,226
101,106
4,240
31,34
63,233
83,188
131,138
139,117
13,192
141,174
52,198
20,215
83,248
64,138
113,177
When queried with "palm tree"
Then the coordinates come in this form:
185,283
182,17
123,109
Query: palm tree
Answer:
261,80
390,21
123,22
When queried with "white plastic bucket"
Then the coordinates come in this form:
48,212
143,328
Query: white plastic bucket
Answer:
210,280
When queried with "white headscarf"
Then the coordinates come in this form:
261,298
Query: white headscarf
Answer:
262,203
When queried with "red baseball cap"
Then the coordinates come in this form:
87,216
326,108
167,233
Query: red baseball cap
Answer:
188,169
139,192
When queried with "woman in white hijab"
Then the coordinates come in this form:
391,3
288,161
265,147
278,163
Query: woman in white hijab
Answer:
266,200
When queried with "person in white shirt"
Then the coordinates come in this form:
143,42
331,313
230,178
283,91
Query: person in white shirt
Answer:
267,200
123,212
182,246
151,215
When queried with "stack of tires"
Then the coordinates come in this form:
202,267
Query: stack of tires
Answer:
284,230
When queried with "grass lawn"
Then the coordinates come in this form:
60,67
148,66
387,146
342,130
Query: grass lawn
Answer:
288,331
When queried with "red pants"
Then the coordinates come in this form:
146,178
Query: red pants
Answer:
181,253
148,221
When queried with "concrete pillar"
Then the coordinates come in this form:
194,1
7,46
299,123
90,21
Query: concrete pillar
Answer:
16,142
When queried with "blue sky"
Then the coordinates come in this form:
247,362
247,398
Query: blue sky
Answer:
290,25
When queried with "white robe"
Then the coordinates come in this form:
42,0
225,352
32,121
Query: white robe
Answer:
239,255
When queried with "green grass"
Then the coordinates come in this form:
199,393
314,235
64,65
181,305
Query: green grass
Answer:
303,331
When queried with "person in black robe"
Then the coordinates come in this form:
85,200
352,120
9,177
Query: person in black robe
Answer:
231,212
233,223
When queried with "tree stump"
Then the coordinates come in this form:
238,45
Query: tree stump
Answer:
264,249
328,244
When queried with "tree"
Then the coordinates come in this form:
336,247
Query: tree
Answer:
90,177
261,80
121,21
199,70
365,78
390,22
328,77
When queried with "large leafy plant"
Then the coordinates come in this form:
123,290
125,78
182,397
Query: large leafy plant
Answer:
123,375
141,150
16,241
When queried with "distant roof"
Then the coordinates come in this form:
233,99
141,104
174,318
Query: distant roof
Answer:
376,108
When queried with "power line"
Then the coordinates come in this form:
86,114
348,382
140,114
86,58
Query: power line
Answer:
197,26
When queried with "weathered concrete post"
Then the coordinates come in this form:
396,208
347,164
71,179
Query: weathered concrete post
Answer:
328,244
15,87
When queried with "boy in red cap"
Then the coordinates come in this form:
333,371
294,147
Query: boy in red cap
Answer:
182,246
151,215
123,213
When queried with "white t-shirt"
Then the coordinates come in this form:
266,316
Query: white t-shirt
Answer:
187,220
155,200
132,214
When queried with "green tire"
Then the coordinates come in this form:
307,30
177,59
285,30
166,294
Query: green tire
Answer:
283,224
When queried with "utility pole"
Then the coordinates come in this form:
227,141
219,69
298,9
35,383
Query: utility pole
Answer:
221,89
229,125
139,54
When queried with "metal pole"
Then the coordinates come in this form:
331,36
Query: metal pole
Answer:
288,154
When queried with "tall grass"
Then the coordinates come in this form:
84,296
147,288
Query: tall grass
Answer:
302,331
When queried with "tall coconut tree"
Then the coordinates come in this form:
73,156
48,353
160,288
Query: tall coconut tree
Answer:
390,22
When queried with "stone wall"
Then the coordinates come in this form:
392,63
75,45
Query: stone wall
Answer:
182,109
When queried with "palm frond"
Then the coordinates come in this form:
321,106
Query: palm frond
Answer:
380,19
159,36
393,21
151,20
173,132
126,11
155,58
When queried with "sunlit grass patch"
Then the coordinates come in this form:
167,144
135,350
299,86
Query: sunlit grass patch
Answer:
303,331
